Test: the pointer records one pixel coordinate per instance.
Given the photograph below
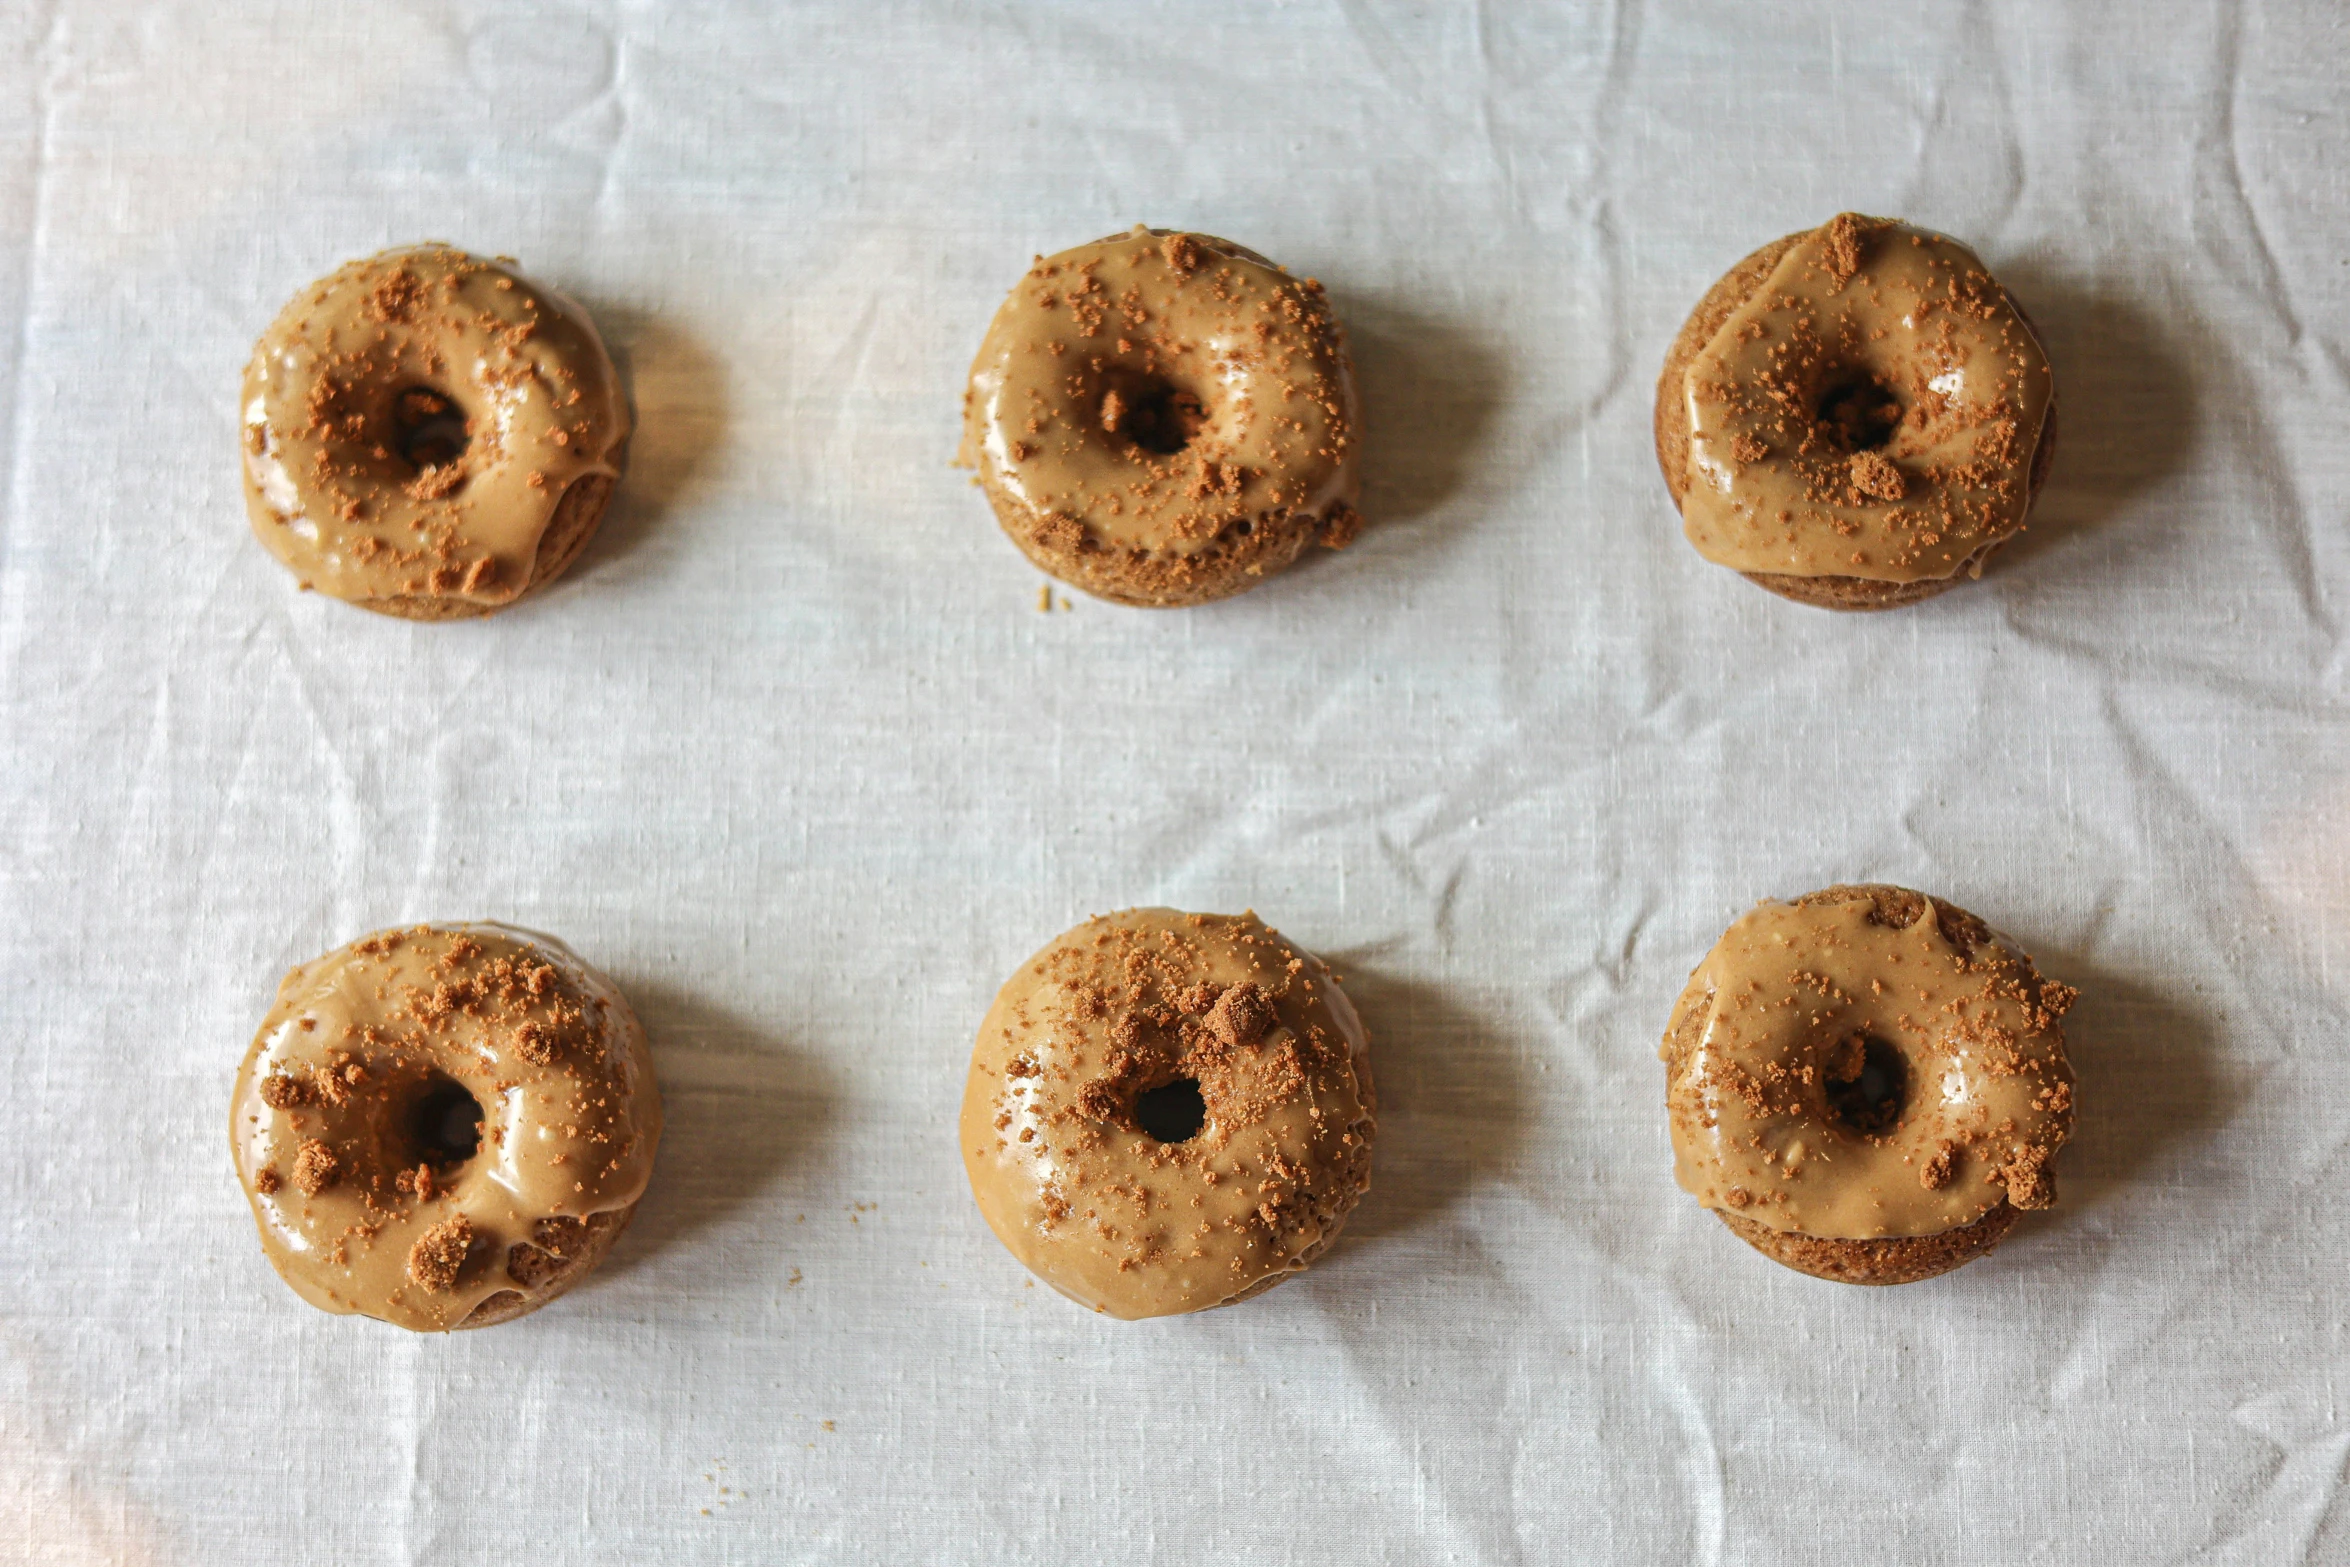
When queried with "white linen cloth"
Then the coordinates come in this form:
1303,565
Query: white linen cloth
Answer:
795,757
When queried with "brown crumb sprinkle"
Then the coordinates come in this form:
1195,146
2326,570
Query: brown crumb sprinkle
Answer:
439,1254
1844,236
536,1043
1874,477
266,1181
281,1092
2029,1184
1241,1015
1340,528
316,1168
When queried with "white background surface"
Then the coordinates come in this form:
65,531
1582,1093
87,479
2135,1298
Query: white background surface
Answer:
795,757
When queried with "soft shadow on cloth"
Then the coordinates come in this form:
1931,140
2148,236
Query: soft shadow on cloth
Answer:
2126,413
740,1107
1454,1109
677,388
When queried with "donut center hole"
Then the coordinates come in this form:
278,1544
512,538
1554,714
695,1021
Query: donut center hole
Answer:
1171,1113
444,1125
1859,414
1150,413
1867,1085
428,428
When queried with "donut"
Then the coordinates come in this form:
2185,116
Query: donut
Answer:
445,1126
430,435
1868,1085
1163,418
1168,1112
1856,416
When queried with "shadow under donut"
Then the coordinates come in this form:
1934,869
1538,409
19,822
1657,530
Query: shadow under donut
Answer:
2126,407
1453,1101
739,1110
1430,389
677,392
2148,1084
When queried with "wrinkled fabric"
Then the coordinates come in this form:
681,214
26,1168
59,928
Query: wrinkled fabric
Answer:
794,755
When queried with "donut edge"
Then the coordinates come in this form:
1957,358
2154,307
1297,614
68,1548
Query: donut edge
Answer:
1142,581
546,1283
1905,1259
574,521
1671,427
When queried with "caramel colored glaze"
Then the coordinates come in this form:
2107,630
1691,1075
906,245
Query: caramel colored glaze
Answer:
324,1124
1776,1024
1126,1003
1913,340
1164,418
330,405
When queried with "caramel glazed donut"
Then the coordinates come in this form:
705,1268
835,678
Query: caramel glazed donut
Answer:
444,1127
1867,1085
1163,418
1856,417
430,435
1168,1112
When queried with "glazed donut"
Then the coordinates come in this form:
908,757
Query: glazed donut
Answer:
444,1127
1163,418
1856,417
430,435
1168,1112
1868,1085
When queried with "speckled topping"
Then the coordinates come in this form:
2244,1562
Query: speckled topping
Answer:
1866,1063
414,425
1163,418
1872,410
433,1121
1168,1111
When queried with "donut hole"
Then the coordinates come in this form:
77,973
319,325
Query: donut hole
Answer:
1867,1085
1859,413
1172,1112
428,428
444,1124
1150,412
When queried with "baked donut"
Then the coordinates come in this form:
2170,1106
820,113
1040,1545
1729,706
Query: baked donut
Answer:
444,1127
1163,418
1168,1112
1868,1085
430,435
1856,417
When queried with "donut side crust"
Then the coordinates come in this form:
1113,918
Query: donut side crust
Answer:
1233,565
565,1252
1671,427
1900,1260
576,518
